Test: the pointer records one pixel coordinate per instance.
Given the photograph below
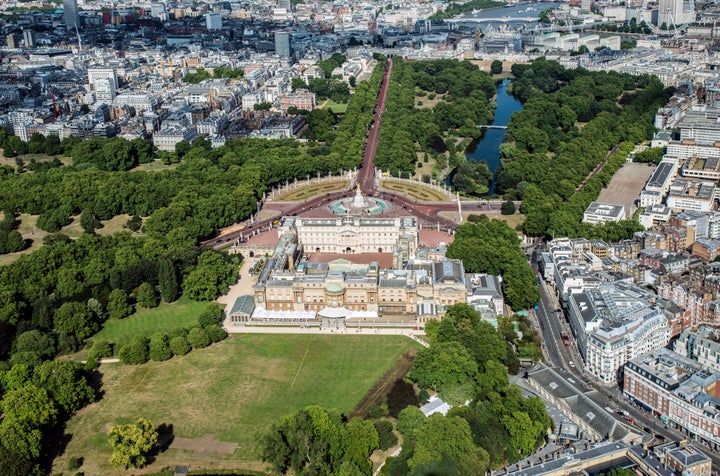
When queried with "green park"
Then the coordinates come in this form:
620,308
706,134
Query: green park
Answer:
231,390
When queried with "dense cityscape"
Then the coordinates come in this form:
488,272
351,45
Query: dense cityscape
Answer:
370,238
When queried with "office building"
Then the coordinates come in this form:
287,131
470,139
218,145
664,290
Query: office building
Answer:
283,48
701,345
29,38
102,73
675,12
71,14
213,21
614,323
598,212
679,390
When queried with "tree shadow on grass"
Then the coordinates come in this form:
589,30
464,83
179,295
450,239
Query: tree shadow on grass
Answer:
166,435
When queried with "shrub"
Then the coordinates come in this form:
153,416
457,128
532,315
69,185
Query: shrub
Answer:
101,348
177,332
179,345
385,432
198,338
216,333
159,347
424,396
377,411
74,463
135,352
146,296
212,314
507,208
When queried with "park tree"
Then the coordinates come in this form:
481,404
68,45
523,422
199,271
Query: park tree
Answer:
75,319
496,67
134,223
65,383
360,439
409,419
307,442
36,341
16,377
449,437
168,281
28,405
211,277
118,305
132,443
88,221
146,296
159,348
522,430
179,345
507,208
21,441
443,363
386,437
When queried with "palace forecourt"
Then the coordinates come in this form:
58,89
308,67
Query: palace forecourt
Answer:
399,283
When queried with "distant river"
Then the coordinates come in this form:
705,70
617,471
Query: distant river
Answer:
514,14
488,148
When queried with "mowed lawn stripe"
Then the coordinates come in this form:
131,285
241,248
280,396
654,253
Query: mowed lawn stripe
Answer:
234,390
163,318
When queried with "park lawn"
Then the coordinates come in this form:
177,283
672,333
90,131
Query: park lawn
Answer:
233,390
155,166
427,167
181,313
337,107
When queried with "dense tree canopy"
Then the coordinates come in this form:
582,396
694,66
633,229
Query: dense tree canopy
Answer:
315,440
490,246
572,121
406,130
491,423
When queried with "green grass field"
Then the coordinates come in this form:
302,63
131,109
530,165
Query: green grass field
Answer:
337,107
233,390
181,313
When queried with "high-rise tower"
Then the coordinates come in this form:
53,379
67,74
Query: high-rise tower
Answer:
71,14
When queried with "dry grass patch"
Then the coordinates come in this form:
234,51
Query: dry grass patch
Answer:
155,166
